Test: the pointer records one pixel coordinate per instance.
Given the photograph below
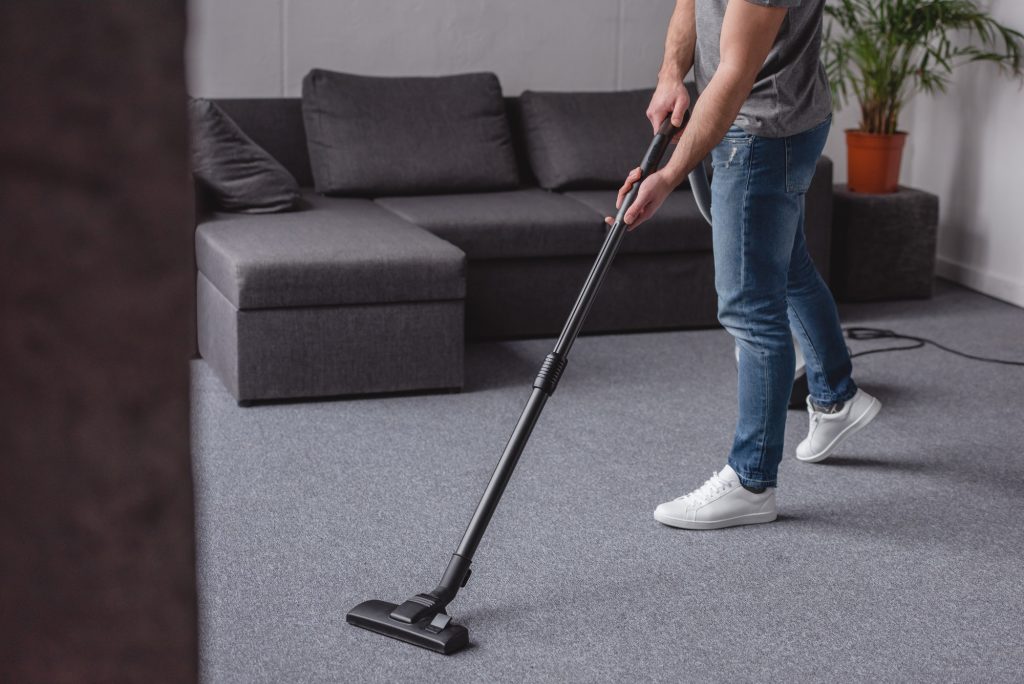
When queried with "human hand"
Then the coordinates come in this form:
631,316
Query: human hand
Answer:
670,99
652,194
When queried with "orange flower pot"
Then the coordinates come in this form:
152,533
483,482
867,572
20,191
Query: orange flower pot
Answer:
873,161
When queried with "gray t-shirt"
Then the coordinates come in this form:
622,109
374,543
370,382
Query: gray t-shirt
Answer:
791,93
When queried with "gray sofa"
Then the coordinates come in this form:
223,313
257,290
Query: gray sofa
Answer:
370,295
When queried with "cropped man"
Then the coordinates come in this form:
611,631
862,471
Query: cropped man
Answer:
763,113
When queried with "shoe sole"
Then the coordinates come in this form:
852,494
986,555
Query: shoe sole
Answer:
851,429
751,519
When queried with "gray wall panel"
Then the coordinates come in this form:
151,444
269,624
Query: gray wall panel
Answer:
263,48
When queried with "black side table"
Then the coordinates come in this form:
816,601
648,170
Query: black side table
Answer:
883,246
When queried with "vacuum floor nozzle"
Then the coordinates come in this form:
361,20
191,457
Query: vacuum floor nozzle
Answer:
435,633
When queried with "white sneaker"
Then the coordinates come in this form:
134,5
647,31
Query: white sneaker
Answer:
720,502
828,430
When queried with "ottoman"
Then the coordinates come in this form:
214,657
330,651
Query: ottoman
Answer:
340,298
883,246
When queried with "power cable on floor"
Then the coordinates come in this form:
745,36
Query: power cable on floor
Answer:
858,333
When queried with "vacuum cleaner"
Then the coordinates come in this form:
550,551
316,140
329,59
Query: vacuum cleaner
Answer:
423,620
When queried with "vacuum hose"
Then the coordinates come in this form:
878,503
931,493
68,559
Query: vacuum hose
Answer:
699,185
701,191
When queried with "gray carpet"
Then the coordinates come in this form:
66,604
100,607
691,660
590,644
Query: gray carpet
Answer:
901,559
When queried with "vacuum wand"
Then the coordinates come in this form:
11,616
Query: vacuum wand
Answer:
422,620
551,370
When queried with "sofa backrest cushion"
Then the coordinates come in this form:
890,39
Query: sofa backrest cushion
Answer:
275,124
240,174
372,136
585,140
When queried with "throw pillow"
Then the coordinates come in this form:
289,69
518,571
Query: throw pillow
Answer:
240,174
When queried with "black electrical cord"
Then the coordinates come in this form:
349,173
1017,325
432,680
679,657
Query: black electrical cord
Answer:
856,333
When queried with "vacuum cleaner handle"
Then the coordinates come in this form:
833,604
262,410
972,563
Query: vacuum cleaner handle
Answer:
651,161
555,361
698,178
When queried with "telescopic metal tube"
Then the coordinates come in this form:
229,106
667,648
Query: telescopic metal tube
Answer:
502,474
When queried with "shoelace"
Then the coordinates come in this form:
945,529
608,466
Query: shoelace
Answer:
707,491
816,416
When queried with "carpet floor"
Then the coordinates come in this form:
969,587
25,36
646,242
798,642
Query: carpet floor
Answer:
900,559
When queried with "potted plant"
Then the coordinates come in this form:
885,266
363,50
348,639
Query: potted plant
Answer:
885,51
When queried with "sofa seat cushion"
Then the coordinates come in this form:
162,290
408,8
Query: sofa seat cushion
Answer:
676,227
519,223
333,252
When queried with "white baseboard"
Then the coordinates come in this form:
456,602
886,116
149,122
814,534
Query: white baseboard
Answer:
1000,287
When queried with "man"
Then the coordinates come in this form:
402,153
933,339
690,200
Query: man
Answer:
764,113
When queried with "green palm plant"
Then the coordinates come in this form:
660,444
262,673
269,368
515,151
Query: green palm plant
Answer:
884,51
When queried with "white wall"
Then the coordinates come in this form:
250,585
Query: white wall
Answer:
263,48
965,146
969,150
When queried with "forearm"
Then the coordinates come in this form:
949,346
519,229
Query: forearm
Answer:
712,115
680,42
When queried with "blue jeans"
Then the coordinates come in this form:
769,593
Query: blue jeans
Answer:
768,285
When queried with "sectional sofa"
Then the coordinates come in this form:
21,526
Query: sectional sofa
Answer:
361,295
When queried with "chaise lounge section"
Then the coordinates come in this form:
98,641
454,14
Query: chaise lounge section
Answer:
342,297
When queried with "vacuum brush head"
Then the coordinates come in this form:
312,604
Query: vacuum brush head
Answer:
435,632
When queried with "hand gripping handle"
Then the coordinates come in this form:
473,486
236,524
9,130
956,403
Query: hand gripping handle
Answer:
651,161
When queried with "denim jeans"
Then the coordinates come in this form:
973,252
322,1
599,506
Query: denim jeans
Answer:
768,285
